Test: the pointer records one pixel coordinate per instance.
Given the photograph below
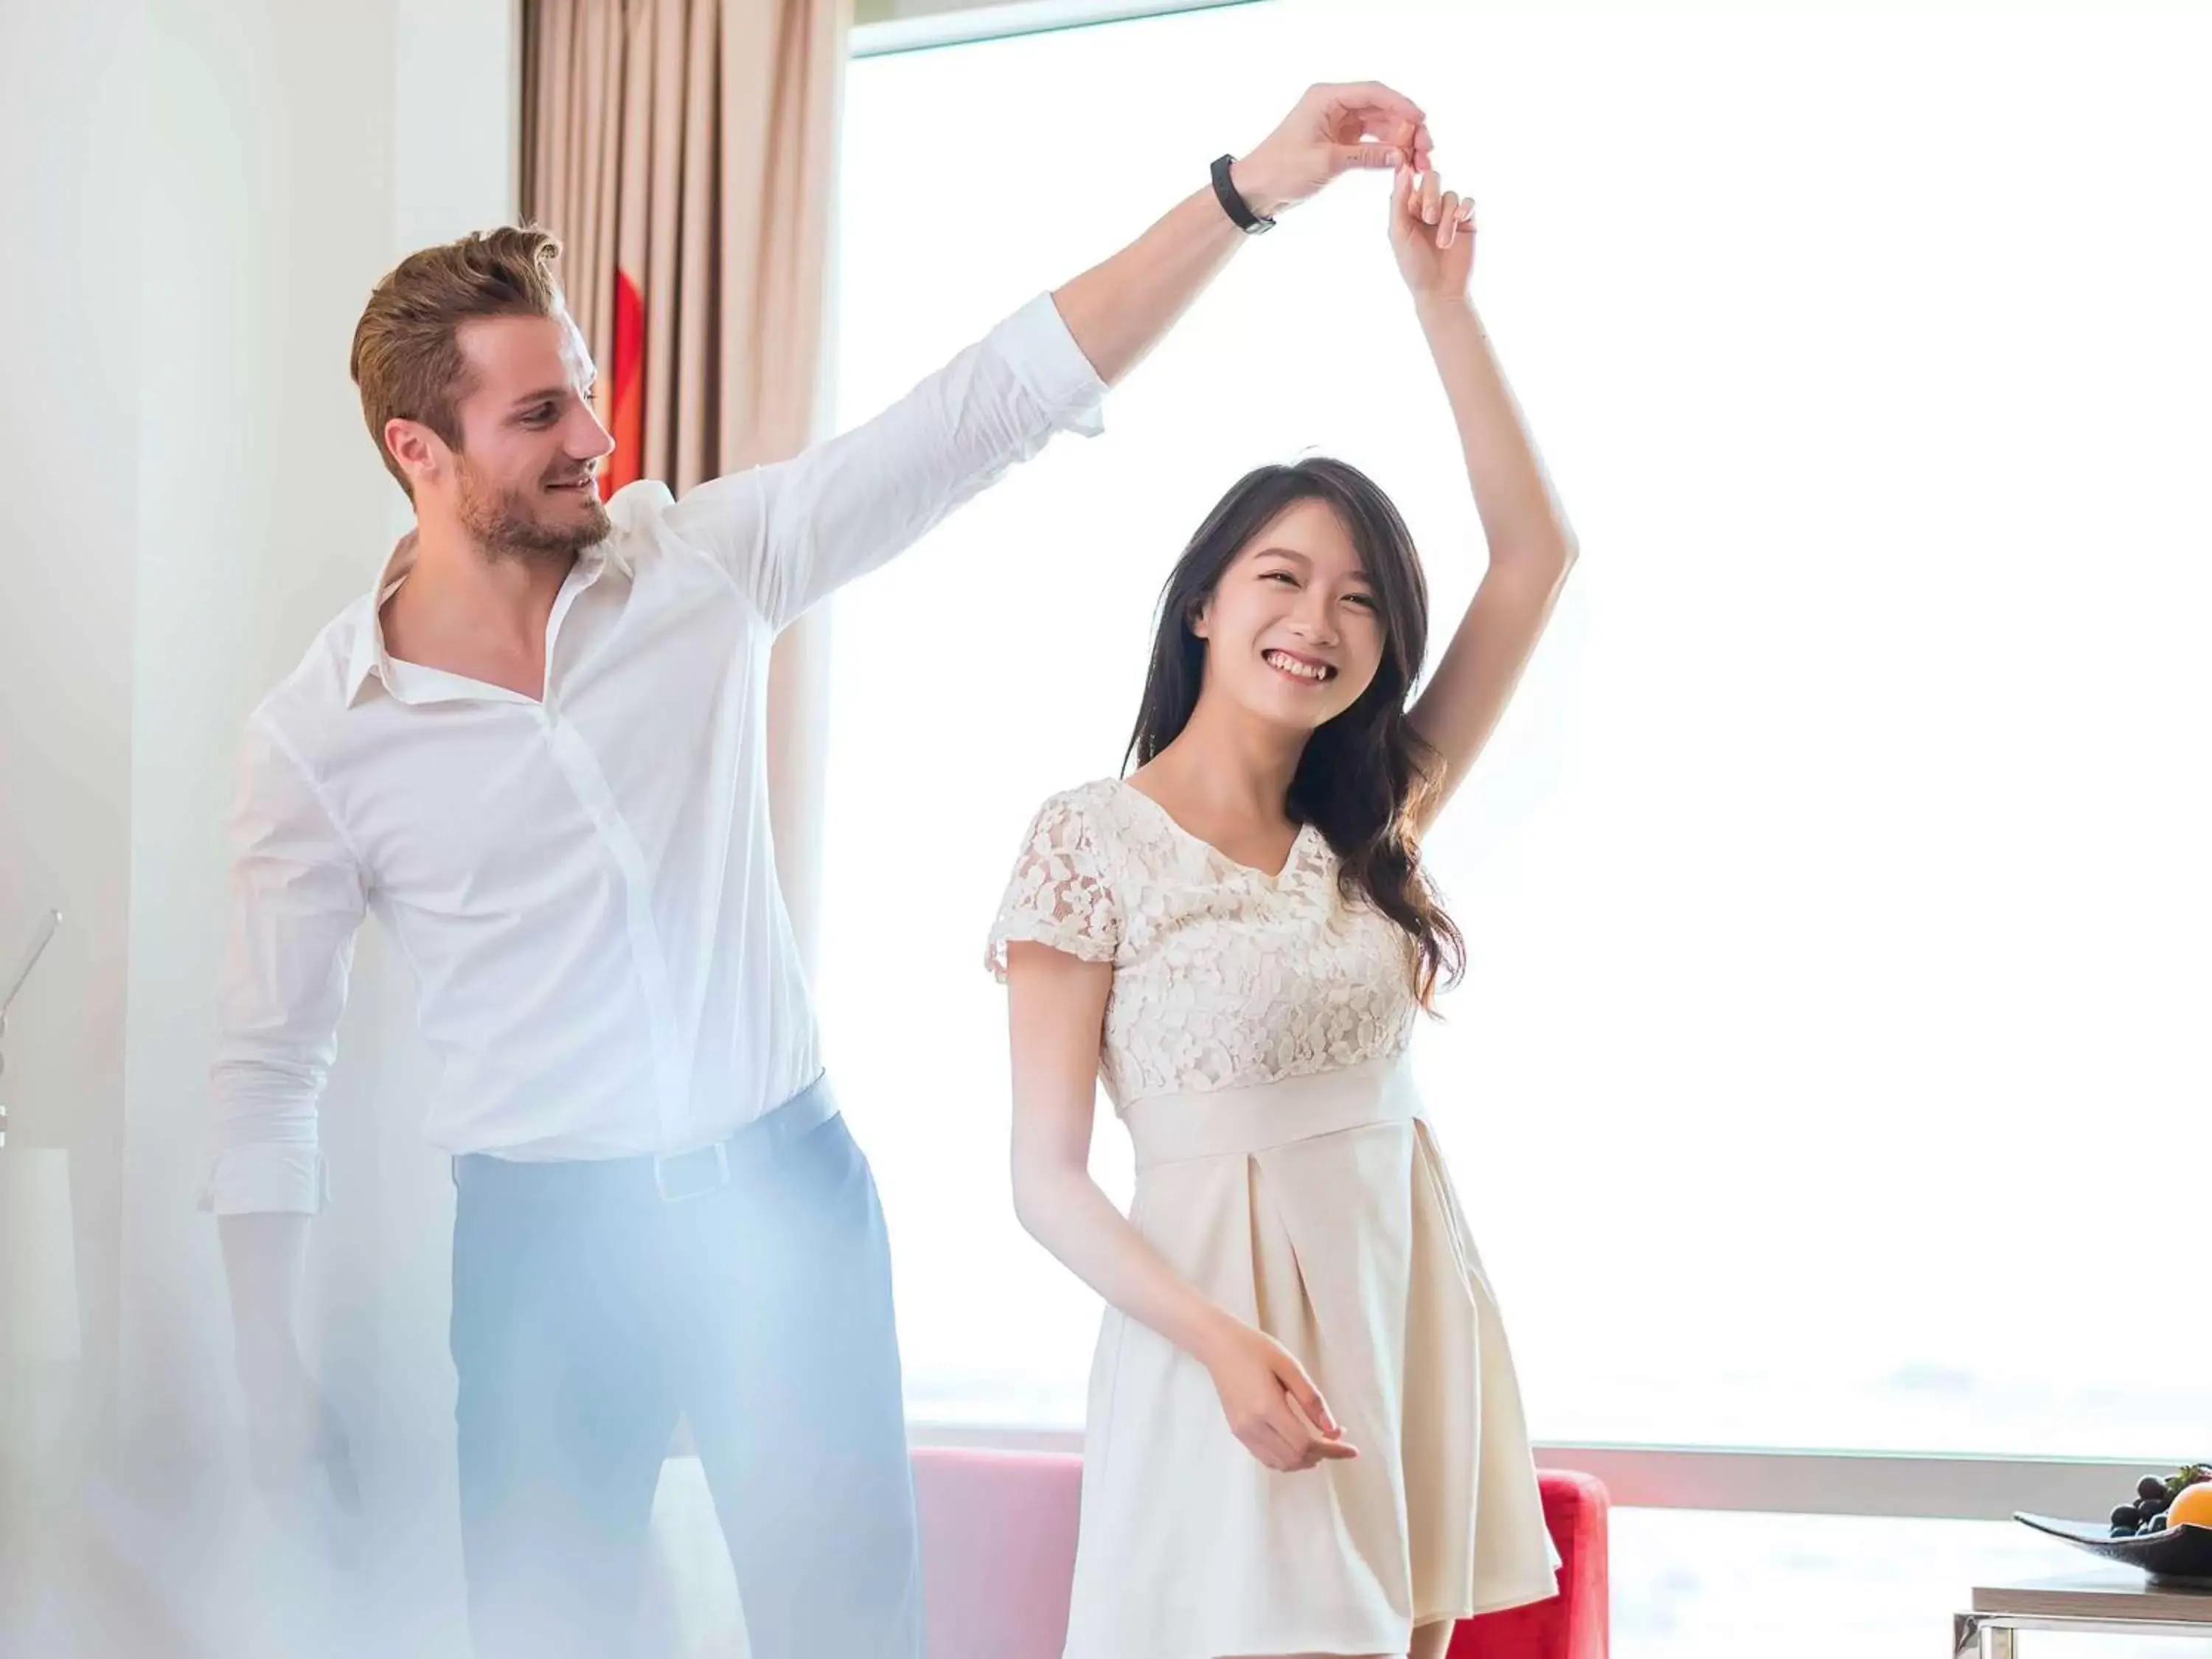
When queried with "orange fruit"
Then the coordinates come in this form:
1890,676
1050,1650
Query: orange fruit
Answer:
2192,1505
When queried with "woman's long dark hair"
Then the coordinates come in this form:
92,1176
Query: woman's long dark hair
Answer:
1364,774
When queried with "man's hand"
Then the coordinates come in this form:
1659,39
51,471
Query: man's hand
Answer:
1363,126
291,1429
1118,310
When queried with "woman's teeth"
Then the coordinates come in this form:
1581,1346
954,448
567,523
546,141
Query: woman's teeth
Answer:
1315,672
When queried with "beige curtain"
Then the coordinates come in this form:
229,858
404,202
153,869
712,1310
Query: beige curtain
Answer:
683,151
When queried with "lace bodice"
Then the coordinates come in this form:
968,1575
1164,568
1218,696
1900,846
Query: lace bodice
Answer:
1224,975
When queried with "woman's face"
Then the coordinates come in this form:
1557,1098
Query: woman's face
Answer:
1293,630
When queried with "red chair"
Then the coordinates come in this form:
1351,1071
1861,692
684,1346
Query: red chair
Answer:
998,1542
1572,1625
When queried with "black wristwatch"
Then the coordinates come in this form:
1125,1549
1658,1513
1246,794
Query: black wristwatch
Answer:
1235,205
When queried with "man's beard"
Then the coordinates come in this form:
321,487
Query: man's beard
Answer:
505,525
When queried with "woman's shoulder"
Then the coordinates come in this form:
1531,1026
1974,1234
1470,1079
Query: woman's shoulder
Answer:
1105,824
1096,806
1063,891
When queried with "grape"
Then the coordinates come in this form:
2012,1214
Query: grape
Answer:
2159,1522
2125,1516
2152,1487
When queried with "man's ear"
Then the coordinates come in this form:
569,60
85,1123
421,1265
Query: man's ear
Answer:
421,454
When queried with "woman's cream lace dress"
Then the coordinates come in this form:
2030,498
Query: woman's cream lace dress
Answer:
1255,1045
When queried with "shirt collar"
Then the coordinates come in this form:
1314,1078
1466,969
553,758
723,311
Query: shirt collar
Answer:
369,657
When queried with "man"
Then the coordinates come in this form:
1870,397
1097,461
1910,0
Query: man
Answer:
537,750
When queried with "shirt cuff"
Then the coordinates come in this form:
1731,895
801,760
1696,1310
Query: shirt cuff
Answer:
262,1180
1045,358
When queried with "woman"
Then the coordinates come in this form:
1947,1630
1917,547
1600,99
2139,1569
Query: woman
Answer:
1304,1435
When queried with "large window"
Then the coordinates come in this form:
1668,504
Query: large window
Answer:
1830,1072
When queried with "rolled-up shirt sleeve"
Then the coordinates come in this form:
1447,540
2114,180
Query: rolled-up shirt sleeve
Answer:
297,896
791,533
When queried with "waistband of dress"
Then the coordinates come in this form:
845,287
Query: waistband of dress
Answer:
1226,1122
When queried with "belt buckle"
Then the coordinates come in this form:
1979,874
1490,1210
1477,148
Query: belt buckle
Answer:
662,1164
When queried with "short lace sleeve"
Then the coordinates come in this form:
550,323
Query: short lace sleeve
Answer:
1058,895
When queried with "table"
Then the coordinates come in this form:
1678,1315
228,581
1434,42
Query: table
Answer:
2117,1603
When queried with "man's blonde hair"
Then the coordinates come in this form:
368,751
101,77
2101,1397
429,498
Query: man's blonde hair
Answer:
406,348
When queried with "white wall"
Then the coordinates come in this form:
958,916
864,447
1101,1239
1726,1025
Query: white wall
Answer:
203,193
70,91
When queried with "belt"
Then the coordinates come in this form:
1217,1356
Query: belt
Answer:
673,1176
1255,1117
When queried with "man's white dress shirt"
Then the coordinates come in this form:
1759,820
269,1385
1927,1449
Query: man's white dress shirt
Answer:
584,885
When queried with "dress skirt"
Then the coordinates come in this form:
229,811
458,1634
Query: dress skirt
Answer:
1318,1209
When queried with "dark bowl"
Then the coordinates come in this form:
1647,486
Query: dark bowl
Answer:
2179,1558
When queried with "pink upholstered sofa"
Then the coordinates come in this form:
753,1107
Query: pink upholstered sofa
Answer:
998,1538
